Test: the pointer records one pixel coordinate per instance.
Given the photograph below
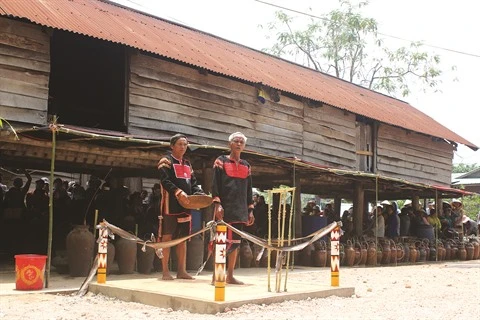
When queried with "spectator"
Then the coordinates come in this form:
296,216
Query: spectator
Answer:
260,212
392,220
308,209
14,200
379,227
470,227
434,221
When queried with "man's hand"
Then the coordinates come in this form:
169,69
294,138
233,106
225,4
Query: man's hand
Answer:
218,211
251,218
163,163
182,198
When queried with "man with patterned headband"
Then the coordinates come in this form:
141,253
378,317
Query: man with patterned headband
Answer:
232,196
177,182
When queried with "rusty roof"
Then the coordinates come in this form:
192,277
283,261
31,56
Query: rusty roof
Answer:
112,22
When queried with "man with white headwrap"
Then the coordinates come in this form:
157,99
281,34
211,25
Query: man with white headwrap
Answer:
232,196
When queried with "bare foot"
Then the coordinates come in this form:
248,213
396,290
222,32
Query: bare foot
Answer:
167,276
184,275
232,280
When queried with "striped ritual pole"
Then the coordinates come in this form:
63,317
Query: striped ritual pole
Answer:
102,254
335,253
220,261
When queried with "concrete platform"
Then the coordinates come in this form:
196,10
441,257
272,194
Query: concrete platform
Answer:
197,296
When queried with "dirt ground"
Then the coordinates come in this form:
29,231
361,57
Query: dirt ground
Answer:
449,290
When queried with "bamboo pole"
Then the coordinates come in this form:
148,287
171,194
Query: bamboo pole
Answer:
269,239
53,128
292,214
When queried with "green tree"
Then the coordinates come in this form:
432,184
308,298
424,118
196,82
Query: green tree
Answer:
464,168
346,44
471,204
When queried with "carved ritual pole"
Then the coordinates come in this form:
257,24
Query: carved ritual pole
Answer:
102,254
220,262
335,252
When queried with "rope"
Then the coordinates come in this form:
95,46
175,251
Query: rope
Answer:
158,246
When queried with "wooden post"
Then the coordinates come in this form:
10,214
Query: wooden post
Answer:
297,221
102,254
335,257
337,207
415,203
358,205
220,262
207,213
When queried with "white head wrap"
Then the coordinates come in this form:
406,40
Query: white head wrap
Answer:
237,135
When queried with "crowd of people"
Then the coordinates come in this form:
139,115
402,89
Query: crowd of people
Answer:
387,220
27,212
165,215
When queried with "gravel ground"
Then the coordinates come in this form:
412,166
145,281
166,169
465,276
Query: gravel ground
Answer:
429,291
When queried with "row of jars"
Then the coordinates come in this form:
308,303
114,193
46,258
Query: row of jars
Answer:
389,252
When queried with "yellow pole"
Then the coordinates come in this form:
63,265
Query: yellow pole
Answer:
220,261
334,260
289,236
269,239
95,221
102,254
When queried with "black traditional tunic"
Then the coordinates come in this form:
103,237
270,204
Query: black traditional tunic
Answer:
179,177
232,187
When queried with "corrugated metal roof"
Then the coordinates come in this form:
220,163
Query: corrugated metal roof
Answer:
114,23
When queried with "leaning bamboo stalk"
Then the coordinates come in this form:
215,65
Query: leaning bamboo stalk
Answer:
289,236
53,128
269,239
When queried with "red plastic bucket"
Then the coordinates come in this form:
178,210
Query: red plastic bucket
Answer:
29,271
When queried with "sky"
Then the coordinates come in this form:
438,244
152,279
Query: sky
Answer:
439,25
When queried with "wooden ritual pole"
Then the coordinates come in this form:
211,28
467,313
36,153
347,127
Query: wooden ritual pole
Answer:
220,262
334,260
102,254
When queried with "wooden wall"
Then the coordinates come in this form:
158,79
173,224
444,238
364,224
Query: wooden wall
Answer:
166,98
24,72
329,137
413,156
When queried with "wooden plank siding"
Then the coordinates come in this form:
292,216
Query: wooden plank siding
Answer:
166,98
414,157
329,137
24,72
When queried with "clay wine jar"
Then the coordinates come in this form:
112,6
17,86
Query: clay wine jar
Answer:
363,254
371,255
393,253
80,245
476,253
448,251
406,253
349,254
126,253
413,253
145,259
386,252
246,255
470,251
422,254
